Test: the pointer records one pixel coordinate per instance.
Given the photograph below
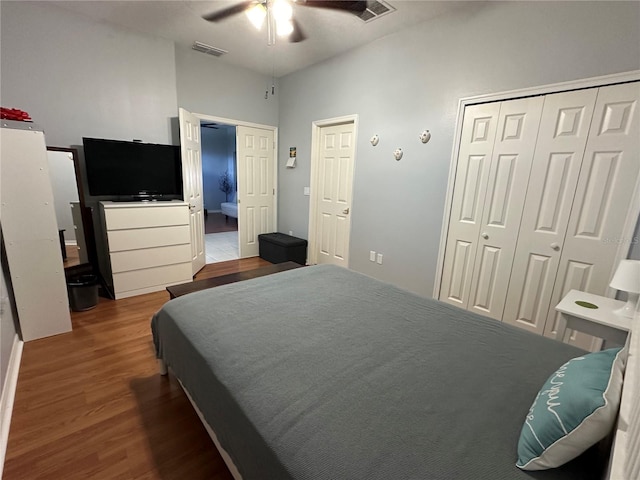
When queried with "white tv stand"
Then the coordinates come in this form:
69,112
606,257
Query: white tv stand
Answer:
149,246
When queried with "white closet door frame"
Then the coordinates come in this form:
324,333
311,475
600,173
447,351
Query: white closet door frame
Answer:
241,123
513,94
316,128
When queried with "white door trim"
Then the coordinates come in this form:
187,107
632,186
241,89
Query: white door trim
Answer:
316,126
593,82
242,123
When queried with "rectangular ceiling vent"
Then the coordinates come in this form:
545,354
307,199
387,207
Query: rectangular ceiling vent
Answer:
208,49
375,9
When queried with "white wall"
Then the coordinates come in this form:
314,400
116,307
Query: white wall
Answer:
79,78
411,81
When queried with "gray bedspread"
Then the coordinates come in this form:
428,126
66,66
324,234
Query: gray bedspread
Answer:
324,373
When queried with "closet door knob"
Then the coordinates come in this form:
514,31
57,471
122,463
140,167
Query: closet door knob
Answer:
555,246
485,236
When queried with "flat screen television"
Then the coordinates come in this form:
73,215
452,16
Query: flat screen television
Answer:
125,171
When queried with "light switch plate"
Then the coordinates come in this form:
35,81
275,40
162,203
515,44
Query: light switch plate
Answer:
306,191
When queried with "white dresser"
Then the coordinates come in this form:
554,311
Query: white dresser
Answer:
148,244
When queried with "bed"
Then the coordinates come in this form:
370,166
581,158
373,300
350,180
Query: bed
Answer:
324,373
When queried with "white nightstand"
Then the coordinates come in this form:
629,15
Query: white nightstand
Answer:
600,322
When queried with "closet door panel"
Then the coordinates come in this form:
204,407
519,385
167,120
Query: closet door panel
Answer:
603,196
506,189
476,146
562,139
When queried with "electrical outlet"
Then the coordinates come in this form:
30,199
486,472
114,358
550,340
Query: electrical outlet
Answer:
379,259
372,256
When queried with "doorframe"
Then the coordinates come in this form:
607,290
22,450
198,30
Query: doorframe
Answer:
593,82
242,123
316,126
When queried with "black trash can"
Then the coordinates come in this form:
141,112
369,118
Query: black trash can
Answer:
83,292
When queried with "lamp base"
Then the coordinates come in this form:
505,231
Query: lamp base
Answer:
629,308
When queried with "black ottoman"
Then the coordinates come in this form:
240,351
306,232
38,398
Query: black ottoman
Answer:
279,248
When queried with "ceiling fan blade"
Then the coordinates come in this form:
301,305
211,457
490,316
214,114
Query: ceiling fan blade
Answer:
298,34
227,12
349,6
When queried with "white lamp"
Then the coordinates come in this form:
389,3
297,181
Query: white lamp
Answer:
627,279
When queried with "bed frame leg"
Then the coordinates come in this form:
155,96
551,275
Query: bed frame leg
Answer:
162,367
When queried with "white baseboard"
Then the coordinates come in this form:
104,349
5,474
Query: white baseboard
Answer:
8,396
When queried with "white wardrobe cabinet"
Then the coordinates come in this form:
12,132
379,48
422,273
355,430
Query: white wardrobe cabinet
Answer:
30,232
540,184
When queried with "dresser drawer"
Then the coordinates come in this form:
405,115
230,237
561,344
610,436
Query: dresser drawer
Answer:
120,240
151,277
152,257
149,215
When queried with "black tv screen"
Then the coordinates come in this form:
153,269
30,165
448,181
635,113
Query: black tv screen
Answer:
132,170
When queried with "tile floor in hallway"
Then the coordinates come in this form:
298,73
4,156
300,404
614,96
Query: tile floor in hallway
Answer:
220,247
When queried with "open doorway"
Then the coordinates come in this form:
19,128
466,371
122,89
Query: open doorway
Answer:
219,182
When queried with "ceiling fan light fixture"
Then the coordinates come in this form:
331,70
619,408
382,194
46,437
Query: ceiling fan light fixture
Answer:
257,14
282,11
284,27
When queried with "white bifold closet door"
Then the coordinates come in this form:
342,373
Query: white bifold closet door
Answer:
562,138
498,142
476,148
542,193
602,201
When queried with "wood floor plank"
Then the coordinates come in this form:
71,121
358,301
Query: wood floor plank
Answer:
90,403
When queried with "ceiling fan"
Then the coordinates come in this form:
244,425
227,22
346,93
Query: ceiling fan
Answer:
279,14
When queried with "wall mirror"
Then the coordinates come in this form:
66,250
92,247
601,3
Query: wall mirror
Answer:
75,226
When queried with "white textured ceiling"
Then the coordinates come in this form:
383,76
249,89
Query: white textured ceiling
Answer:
329,32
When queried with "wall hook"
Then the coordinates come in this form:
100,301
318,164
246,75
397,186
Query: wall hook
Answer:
374,140
397,153
425,136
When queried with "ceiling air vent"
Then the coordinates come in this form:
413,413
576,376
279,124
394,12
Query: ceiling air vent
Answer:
375,9
208,49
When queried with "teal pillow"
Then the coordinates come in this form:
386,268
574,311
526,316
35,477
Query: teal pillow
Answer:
575,408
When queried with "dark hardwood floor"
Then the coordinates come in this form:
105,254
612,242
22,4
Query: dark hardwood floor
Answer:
73,257
217,223
90,404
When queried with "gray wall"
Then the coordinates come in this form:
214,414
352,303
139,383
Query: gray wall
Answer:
207,86
80,78
411,81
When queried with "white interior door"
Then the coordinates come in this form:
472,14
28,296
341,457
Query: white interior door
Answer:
476,149
506,191
256,187
605,188
191,150
333,193
562,138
